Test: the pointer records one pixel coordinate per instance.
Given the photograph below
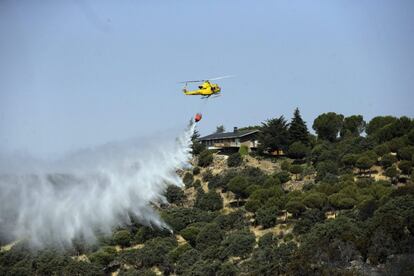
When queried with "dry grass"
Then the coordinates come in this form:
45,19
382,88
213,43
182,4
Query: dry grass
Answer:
9,246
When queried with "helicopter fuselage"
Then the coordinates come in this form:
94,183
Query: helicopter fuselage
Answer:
205,89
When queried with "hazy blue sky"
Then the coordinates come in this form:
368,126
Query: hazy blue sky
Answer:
81,73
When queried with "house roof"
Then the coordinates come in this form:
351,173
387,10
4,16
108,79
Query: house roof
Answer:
228,135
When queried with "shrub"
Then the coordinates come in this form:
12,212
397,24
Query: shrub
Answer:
197,184
391,172
207,175
296,169
364,163
210,201
382,149
406,153
155,251
186,260
285,165
188,179
179,218
190,234
339,201
252,205
238,186
315,200
326,167
271,182
267,217
387,160
103,256
228,269
349,160
234,160
296,208
244,150
210,235
298,150
196,170
205,158
145,233
283,176
122,238
234,220
238,244
175,254
405,166
174,194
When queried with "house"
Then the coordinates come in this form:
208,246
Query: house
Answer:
231,140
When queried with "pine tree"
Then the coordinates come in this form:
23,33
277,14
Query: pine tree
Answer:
298,132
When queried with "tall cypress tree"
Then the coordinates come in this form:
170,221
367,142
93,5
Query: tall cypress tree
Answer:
298,132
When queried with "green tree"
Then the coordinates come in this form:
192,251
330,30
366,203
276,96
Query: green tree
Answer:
220,129
79,268
238,186
326,168
103,256
238,244
190,234
353,125
210,201
349,159
296,170
364,163
186,260
298,131
234,160
379,122
406,153
296,208
327,125
274,135
210,235
298,150
188,179
267,217
391,172
315,200
382,149
197,147
388,160
155,251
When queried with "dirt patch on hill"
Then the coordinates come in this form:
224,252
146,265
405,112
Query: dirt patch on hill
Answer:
265,165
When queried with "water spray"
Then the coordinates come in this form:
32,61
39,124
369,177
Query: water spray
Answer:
92,190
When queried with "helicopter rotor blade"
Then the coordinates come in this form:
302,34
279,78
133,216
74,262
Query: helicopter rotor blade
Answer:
191,81
218,78
222,77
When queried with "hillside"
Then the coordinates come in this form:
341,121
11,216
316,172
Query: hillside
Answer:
343,207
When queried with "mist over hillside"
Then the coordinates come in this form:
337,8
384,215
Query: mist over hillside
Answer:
89,191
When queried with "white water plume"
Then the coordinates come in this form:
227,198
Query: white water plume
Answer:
92,190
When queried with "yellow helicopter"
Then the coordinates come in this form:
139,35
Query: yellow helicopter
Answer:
206,89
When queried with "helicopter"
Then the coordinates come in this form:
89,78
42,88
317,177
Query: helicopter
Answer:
206,89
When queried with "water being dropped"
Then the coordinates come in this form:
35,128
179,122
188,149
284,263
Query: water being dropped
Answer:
91,190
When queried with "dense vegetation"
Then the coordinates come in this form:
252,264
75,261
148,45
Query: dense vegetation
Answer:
339,203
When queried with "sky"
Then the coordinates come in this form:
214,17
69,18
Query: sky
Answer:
76,74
